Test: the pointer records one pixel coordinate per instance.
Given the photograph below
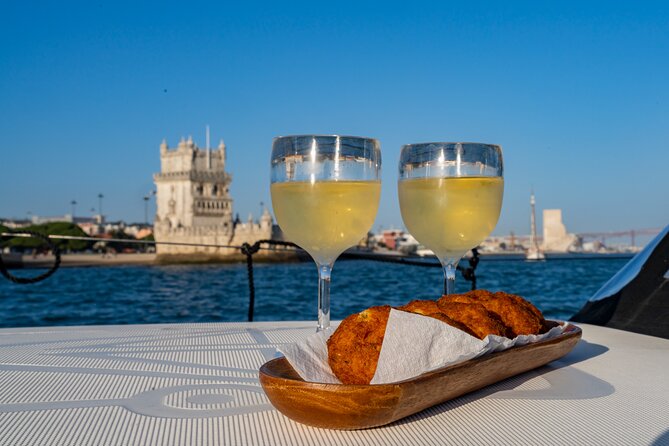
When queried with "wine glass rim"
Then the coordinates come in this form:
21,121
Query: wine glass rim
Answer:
452,142
323,135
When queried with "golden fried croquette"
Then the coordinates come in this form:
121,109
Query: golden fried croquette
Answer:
519,315
354,348
520,301
466,298
431,309
423,307
475,316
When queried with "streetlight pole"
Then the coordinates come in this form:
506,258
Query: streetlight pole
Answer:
100,197
146,209
74,208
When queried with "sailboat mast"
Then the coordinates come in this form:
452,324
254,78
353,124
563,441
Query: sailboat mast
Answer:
533,224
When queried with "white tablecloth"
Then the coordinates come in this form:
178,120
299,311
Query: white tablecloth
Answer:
197,384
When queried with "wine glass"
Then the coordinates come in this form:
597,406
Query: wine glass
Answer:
325,194
450,197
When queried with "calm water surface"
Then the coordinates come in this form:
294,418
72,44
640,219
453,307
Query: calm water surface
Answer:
166,294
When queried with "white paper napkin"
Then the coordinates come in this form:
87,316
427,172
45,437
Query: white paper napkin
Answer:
309,358
413,344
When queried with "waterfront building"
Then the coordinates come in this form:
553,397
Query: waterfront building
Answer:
139,231
194,205
90,225
389,237
14,223
95,219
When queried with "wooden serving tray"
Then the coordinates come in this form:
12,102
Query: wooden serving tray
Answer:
341,406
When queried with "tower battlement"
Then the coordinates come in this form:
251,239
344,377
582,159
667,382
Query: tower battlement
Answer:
187,157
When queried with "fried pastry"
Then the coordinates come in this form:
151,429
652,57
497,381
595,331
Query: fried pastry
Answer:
519,315
354,348
476,317
430,308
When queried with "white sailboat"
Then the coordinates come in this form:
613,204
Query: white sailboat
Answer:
534,253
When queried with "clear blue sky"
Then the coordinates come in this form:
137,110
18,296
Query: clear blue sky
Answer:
577,93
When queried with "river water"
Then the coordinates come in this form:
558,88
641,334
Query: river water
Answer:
206,293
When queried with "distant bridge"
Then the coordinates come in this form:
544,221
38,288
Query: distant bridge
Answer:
632,233
602,236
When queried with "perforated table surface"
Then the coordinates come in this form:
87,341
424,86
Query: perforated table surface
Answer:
197,384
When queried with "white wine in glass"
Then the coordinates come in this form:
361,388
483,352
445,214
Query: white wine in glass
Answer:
325,217
450,197
325,194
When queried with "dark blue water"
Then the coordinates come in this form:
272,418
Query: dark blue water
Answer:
165,294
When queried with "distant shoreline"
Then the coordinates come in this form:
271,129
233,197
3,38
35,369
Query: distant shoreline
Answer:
16,261
72,260
395,257
123,259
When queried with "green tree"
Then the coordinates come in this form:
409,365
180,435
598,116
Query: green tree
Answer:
53,228
3,240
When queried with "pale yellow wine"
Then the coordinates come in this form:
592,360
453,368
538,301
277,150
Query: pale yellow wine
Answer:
451,215
325,218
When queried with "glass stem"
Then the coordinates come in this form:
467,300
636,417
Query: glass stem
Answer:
449,277
324,272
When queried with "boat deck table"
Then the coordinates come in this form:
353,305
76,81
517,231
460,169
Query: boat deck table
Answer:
197,384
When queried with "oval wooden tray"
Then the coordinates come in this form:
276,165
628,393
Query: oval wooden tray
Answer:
340,406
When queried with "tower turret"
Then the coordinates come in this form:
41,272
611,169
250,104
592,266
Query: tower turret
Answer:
266,219
221,148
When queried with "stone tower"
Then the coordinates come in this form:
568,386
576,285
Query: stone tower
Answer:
192,188
194,206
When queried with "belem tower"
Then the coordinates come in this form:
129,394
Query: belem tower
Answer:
193,205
